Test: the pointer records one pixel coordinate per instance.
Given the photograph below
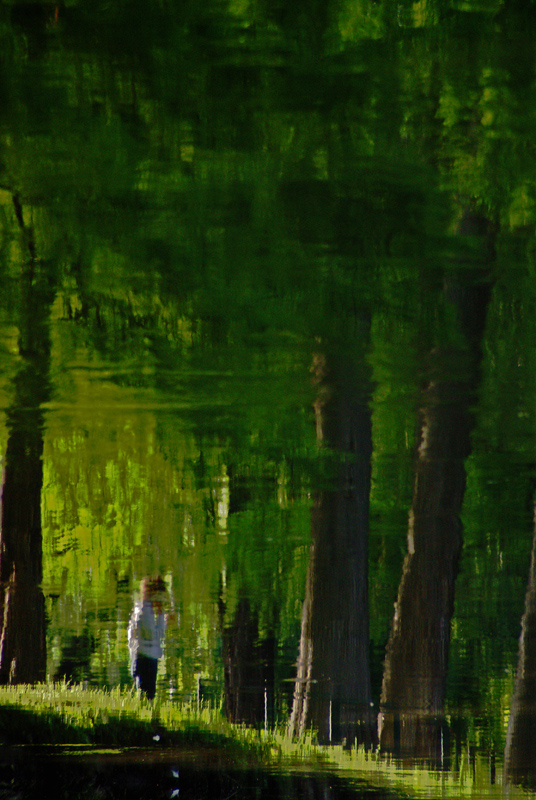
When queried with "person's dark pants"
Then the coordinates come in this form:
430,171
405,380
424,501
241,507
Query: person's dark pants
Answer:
145,671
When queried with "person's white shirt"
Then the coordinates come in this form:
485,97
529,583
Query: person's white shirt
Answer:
146,631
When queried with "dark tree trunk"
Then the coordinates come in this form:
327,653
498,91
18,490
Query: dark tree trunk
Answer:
414,680
22,639
22,612
415,672
520,751
248,670
333,691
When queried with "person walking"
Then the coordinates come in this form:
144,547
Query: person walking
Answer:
146,631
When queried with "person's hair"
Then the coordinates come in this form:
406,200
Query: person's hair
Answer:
158,584
149,587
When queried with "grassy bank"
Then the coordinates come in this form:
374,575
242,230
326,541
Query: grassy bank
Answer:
71,714
61,714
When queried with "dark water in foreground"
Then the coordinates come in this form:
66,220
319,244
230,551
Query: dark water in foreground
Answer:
267,331
201,774
144,776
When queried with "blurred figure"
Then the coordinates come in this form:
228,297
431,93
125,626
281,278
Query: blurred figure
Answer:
146,631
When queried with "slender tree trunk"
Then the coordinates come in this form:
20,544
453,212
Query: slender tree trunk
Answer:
332,691
248,670
22,612
415,671
520,751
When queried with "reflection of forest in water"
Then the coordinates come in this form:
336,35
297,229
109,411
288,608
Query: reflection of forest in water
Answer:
267,329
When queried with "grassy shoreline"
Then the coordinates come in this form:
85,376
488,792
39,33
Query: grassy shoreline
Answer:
83,722
71,714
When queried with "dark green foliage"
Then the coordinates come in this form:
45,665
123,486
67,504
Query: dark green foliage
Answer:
211,194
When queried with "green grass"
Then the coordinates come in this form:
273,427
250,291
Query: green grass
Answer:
69,715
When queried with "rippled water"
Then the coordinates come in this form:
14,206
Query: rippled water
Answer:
266,331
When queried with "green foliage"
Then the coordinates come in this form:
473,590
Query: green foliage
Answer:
214,191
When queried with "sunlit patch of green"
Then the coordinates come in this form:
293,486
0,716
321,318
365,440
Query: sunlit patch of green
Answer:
62,713
474,776
358,20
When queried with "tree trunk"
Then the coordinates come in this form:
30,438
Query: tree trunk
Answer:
332,691
417,652
22,611
22,621
415,671
520,751
248,670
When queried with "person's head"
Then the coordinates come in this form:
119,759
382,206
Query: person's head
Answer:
154,590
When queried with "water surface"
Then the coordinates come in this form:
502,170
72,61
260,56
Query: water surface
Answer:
266,330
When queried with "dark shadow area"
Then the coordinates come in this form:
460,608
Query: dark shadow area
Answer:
167,774
248,668
19,726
